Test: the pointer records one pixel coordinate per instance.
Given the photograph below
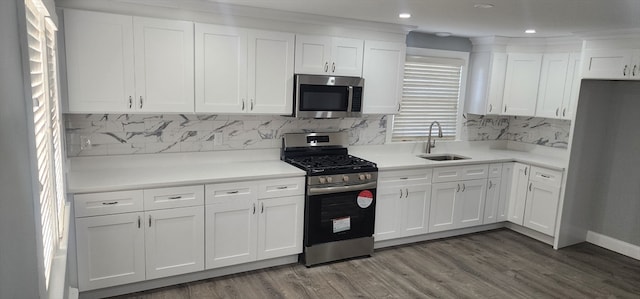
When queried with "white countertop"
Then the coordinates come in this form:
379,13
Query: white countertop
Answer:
115,173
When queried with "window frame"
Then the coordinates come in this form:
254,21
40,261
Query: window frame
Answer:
446,54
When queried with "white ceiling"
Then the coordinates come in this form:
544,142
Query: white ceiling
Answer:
508,18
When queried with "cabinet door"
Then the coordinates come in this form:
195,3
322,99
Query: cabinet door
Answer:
221,69
541,208
469,208
553,79
444,198
280,226
383,73
607,64
518,194
346,57
163,65
416,204
100,69
496,82
505,192
521,84
388,210
312,54
492,200
230,233
572,86
174,241
270,81
110,250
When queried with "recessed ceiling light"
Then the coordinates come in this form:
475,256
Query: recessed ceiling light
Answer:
483,5
443,34
404,15
530,31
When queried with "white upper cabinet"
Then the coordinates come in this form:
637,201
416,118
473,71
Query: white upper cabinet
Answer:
137,64
100,70
324,55
572,87
243,71
521,84
486,84
383,73
553,79
620,63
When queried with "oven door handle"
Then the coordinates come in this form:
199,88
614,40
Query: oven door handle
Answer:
337,189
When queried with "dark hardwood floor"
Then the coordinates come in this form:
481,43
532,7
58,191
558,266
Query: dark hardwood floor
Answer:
494,264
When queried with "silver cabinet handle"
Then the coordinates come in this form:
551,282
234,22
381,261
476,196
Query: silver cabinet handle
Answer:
233,192
624,72
530,186
505,108
490,107
251,101
464,187
398,107
254,208
633,73
261,208
326,67
282,187
175,197
110,203
545,176
139,222
242,104
407,192
149,220
490,184
557,111
458,189
400,193
140,102
564,112
333,68
130,102
525,170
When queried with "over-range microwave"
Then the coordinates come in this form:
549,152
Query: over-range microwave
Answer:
327,96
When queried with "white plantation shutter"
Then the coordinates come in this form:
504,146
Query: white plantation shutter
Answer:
431,92
46,120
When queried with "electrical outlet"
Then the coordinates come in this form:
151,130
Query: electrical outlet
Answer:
85,142
217,138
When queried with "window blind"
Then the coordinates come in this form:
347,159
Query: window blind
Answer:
431,91
46,121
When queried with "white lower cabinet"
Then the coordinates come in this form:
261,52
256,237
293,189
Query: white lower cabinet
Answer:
402,204
119,242
457,204
494,195
535,194
249,221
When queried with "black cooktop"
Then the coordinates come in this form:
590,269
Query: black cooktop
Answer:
331,164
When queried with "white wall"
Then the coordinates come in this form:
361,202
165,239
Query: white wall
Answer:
18,237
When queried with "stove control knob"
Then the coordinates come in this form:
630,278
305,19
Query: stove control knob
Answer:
361,176
345,178
329,179
322,180
367,175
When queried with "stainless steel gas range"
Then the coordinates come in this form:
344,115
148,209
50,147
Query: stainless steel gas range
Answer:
340,196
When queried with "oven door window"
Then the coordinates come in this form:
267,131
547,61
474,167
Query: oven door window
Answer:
338,216
323,98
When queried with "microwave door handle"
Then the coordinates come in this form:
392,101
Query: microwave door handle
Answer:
350,99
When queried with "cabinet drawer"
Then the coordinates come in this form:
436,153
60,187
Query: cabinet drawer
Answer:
546,176
495,170
413,175
173,197
281,187
227,192
92,204
460,173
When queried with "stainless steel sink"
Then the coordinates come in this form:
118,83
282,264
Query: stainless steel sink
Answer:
442,157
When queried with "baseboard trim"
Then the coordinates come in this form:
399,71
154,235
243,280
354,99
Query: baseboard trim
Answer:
436,235
621,247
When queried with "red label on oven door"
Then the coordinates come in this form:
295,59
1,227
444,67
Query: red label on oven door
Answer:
365,198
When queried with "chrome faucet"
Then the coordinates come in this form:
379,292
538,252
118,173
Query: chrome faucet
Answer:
429,144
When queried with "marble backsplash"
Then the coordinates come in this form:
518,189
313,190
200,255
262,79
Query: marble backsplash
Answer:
540,131
126,134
